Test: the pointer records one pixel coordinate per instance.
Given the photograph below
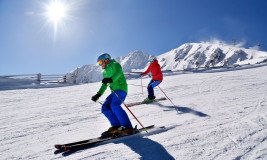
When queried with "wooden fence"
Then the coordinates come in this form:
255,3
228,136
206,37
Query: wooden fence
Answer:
42,78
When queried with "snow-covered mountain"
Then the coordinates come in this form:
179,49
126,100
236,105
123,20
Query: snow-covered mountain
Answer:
92,73
187,56
206,54
85,74
134,60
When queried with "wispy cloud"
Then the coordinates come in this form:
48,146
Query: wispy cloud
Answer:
234,42
30,13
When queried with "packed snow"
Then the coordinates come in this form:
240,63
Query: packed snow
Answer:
219,115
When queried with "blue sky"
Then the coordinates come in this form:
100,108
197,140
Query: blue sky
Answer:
29,44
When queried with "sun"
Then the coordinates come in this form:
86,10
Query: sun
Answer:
56,11
60,15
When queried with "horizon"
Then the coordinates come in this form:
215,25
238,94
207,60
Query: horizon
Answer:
36,39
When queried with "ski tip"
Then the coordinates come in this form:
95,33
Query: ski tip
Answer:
57,146
62,147
58,151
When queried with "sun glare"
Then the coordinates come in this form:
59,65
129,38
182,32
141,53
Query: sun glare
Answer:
56,11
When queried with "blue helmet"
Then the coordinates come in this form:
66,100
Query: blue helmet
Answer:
104,57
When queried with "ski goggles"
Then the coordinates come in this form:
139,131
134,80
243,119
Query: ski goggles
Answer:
100,62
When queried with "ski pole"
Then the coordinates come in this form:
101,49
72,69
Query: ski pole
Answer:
166,96
142,85
130,111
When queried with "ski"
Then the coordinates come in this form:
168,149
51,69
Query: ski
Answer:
94,141
142,102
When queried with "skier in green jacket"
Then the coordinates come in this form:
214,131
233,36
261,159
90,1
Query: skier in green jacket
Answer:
111,108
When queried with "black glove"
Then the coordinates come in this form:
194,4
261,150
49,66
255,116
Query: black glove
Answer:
141,75
95,97
107,80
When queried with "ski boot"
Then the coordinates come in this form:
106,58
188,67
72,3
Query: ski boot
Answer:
123,131
148,100
110,132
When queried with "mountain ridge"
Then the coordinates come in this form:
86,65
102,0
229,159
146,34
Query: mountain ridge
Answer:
185,57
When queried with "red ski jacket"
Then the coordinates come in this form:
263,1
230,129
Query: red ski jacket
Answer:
154,68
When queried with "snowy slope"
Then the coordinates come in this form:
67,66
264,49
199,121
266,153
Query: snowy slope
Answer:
217,116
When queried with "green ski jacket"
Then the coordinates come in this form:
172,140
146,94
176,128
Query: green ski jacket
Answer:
113,70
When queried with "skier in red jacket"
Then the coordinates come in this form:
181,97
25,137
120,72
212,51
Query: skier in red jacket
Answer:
157,78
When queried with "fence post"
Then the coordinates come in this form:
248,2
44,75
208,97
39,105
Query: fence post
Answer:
65,79
39,76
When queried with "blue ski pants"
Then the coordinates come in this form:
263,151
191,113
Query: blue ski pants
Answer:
112,109
150,88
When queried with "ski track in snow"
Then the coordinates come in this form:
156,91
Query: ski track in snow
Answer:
217,116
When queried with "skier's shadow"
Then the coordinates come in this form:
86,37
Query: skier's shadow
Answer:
147,148
182,110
